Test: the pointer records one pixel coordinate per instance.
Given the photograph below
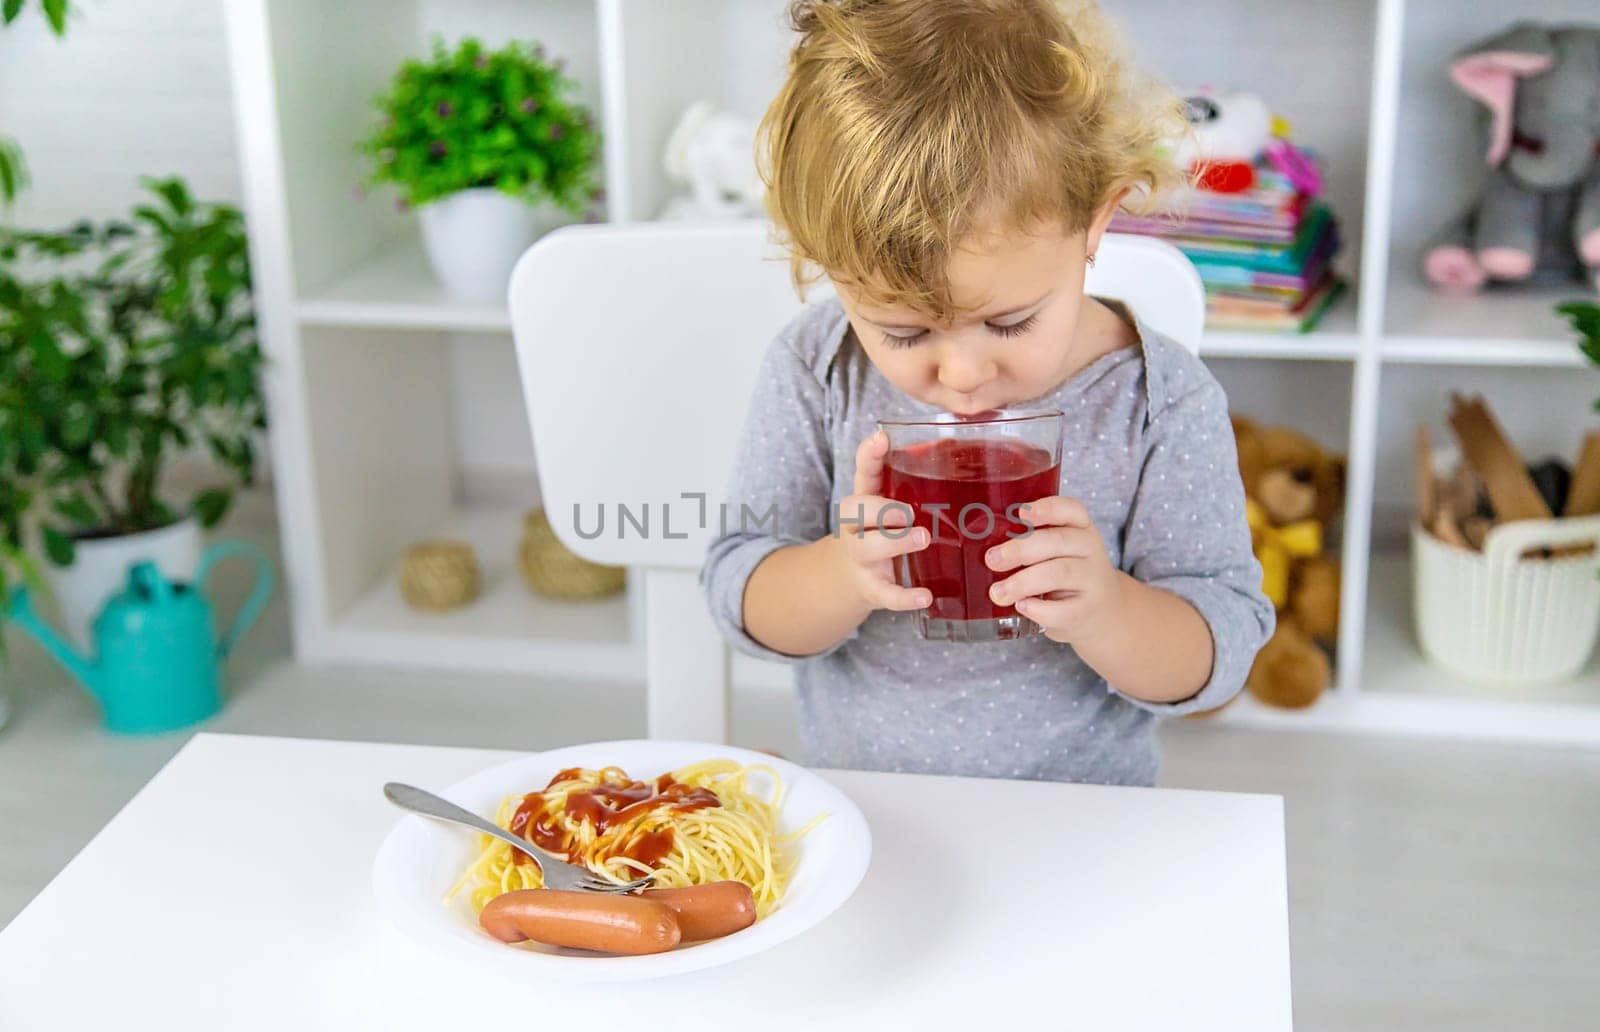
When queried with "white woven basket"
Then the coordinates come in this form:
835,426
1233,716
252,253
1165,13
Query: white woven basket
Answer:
1497,618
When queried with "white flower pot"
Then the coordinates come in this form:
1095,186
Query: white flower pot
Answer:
100,569
473,238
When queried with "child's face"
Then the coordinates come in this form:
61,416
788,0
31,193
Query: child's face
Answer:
1022,293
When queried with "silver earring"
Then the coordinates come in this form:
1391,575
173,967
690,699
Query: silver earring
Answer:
1090,260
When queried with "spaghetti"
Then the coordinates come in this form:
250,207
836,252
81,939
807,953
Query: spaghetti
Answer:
699,824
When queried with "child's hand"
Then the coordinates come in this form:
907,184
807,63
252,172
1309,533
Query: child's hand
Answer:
1067,584
874,530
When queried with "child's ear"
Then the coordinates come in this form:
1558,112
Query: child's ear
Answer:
1102,219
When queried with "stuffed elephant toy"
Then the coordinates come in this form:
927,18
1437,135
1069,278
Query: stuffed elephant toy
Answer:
1539,214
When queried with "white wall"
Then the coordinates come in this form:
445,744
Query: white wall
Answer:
135,88
141,87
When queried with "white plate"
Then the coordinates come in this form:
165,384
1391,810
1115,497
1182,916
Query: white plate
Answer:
421,859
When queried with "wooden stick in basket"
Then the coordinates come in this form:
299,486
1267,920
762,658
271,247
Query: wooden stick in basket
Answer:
1445,529
1427,485
1459,494
1504,475
1584,497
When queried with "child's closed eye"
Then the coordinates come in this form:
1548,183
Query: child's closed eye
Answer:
894,341
1015,329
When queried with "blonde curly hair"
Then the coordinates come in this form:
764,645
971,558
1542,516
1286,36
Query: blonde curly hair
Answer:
906,126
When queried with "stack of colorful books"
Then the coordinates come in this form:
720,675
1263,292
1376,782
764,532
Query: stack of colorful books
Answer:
1265,254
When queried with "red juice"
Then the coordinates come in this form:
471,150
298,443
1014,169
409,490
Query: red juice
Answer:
960,491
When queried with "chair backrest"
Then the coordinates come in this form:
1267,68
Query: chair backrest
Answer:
638,347
1154,279
639,344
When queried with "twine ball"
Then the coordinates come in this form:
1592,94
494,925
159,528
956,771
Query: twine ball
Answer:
438,575
553,570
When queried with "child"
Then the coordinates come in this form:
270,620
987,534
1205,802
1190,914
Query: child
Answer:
951,165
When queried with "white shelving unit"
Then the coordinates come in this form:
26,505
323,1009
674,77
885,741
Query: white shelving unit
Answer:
360,335
592,639
397,292
1503,327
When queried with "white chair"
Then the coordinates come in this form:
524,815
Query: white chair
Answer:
1154,279
638,347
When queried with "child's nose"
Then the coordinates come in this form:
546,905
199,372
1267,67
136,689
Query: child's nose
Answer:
965,375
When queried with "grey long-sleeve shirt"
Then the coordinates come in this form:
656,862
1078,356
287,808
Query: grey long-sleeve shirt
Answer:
1148,450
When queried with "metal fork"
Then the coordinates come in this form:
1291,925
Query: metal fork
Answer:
558,874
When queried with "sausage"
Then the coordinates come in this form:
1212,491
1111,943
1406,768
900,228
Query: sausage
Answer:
582,920
709,911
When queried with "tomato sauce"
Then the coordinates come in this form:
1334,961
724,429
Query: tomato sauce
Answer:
609,805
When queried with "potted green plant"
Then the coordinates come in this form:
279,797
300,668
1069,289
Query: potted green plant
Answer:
122,346
13,173
13,179
1585,319
475,139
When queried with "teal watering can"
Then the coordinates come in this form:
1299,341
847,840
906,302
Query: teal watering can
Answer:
157,666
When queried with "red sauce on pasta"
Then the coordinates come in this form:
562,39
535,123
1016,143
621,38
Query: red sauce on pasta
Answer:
608,805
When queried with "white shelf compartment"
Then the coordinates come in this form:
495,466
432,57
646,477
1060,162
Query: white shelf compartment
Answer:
1335,338
1402,692
380,428
507,628
323,90
661,57
1439,169
1501,326
1310,62
1544,411
1483,720
396,290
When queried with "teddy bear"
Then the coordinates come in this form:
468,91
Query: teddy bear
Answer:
1294,492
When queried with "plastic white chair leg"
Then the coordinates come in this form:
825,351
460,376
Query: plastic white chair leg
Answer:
686,661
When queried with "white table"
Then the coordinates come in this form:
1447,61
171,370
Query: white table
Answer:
233,893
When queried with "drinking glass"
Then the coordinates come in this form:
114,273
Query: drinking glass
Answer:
962,479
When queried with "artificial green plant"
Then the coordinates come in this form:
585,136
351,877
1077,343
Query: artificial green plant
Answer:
472,117
1585,318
